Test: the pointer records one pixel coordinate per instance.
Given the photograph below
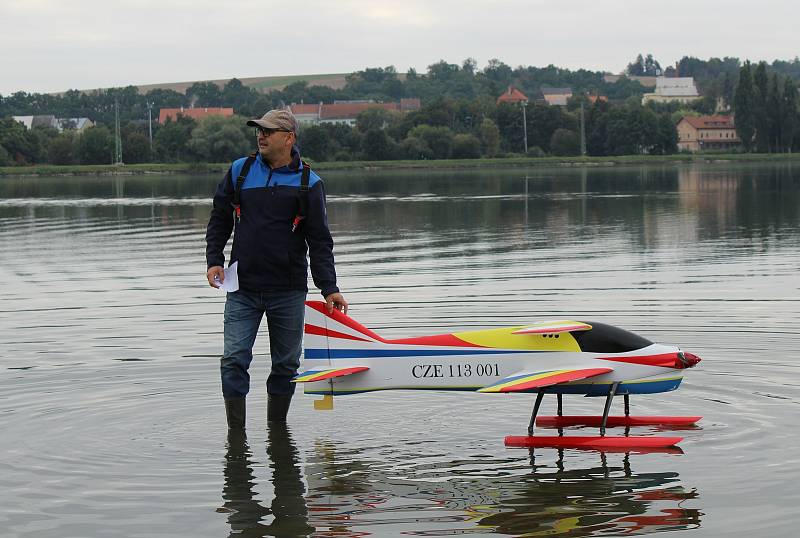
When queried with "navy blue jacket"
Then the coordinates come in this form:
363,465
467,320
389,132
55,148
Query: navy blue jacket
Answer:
271,256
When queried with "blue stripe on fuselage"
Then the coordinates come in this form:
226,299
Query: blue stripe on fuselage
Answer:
601,389
592,389
392,353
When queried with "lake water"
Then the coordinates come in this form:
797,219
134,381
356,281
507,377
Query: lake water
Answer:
113,424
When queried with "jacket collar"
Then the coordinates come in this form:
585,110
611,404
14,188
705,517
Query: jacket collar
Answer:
295,165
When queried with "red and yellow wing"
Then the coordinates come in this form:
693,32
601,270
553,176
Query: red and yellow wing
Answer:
525,381
320,375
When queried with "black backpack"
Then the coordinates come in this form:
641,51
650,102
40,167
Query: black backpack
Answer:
302,194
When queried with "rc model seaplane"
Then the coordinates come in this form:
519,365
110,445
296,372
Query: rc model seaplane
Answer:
549,357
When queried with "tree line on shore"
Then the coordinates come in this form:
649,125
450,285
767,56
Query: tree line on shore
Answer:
460,117
767,113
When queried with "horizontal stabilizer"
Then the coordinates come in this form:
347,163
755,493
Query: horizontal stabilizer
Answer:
321,375
553,327
525,381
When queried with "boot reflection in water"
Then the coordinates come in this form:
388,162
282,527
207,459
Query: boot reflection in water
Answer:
288,512
245,513
289,505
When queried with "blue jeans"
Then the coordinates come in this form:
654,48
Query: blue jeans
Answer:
243,313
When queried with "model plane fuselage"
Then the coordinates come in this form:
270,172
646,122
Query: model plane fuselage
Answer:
563,357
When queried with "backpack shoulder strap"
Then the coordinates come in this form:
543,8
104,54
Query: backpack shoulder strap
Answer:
237,191
302,196
304,176
304,179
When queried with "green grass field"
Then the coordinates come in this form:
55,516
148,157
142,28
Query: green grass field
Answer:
262,84
274,83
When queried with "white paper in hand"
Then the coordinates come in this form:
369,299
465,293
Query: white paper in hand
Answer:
231,282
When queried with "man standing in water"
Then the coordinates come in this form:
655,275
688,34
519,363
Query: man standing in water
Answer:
276,204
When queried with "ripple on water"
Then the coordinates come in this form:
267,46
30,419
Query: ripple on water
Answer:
113,423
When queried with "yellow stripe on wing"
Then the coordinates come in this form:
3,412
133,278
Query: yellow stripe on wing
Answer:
519,379
532,380
321,375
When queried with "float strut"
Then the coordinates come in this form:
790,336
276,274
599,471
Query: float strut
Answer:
560,409
612,391
539,397
627,405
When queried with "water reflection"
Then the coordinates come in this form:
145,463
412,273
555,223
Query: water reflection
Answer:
650,204
101,273
565,497
596,501
287,515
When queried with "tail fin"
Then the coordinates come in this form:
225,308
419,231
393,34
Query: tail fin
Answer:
324,331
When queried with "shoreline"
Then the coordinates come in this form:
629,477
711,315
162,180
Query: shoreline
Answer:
443,164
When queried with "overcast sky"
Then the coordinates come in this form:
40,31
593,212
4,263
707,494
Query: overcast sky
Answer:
54,45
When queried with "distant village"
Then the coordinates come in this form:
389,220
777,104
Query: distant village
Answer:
695,133
452,116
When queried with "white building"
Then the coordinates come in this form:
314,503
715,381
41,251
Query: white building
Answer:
76,124
671,89
346,111
37,121
49,121
556,96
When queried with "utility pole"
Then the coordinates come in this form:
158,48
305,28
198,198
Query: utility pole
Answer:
150,123
524,126
117,135
583,133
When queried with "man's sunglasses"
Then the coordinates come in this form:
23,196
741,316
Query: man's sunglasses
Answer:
263,131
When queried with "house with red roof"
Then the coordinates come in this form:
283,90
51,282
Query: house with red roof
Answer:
306,114
195,113
696,133
410,104
512,96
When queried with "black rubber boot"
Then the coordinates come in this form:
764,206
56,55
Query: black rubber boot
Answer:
278,407
235,412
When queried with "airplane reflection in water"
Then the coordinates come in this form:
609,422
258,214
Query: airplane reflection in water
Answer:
596,500
349,495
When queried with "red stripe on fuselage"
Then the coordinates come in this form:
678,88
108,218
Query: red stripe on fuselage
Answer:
435,340
320,331
664,360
